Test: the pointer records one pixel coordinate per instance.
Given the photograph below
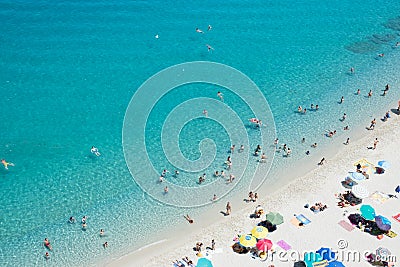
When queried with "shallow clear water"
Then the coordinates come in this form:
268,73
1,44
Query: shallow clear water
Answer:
70,68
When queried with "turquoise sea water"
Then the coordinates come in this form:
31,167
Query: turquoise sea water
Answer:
70,68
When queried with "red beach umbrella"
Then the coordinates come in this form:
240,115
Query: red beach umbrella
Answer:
264,244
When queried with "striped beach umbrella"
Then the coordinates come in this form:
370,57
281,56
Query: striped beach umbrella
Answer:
360,191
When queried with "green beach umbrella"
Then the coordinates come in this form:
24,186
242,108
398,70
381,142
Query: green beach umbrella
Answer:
275,218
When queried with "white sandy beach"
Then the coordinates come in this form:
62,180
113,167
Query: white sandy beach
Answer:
320,185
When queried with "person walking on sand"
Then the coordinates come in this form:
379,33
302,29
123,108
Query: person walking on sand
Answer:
228,208
347,141
375,143
322,161
187,217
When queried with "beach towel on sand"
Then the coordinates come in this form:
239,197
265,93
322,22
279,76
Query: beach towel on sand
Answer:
284,245
391,234
349,227
303,219
295,222
397,217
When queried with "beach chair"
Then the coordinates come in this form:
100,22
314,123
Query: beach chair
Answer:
323,263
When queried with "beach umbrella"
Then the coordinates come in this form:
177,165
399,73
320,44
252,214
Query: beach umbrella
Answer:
360,191
367,212
365,165
264,244
247,241
204,262
384,164
299,264
383,223
259,232
311,257
326,254
357,176
336,264
356,218
382,253
274,218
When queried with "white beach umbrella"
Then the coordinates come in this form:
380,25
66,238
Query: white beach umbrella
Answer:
360,191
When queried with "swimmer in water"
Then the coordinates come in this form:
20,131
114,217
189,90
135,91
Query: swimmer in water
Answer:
199,31
95,151
241,149
166,190
101,232
370,93
209,47
358,92
231,178
47,255
164,173
6,164
352,71
72,219
220,95
299,109
209,27
47,244
205,112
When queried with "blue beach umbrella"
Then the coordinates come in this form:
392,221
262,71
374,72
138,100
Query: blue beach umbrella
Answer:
384,164
357,176
367,212
336,264
204,262
311,257
326,254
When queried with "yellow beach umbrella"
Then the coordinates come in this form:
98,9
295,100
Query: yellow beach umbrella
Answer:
259,232
247,241
366,165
